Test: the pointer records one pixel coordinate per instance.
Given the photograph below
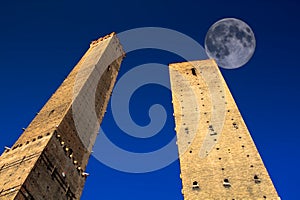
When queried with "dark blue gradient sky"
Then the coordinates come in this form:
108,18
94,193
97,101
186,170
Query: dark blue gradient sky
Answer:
41,41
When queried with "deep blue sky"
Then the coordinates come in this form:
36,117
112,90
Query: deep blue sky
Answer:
41,41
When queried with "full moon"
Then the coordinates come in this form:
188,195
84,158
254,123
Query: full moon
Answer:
230,42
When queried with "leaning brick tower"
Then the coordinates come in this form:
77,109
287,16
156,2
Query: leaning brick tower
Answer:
49,159
218,158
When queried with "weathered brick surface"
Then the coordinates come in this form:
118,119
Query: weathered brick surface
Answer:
213,141
48,161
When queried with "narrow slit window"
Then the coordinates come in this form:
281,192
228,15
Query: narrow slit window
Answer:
194,71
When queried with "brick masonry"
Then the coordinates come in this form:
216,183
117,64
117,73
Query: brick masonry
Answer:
48,161
218,158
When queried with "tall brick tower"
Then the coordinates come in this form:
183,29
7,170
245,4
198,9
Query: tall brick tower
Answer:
48,161
218,158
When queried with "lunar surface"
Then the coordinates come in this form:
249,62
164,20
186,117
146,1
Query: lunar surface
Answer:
230,42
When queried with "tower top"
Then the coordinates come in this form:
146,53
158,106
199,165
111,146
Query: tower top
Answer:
95,42
207,62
